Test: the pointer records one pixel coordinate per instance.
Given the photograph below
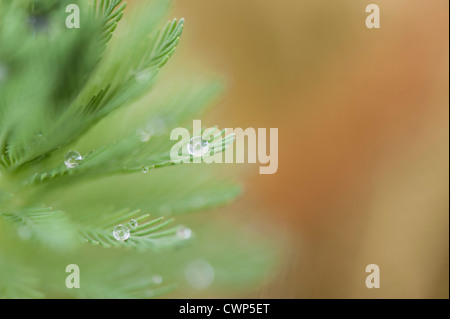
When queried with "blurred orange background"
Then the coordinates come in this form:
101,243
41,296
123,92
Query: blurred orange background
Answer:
363,136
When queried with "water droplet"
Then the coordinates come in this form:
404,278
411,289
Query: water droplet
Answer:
154,127
184,233
143,76
197,147
157,279
145,134
199,274
121,233
72,159
134,223
145,169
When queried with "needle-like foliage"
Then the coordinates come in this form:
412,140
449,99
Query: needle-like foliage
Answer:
81,90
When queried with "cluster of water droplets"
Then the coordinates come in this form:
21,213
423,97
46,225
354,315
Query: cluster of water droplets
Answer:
72,159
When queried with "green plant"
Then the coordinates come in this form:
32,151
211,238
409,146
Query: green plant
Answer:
85,90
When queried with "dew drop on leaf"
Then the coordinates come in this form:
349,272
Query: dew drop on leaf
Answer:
197,147
199,274
184,233
133,223
121,232
157,279
143,76
72,159
154,127
145,134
